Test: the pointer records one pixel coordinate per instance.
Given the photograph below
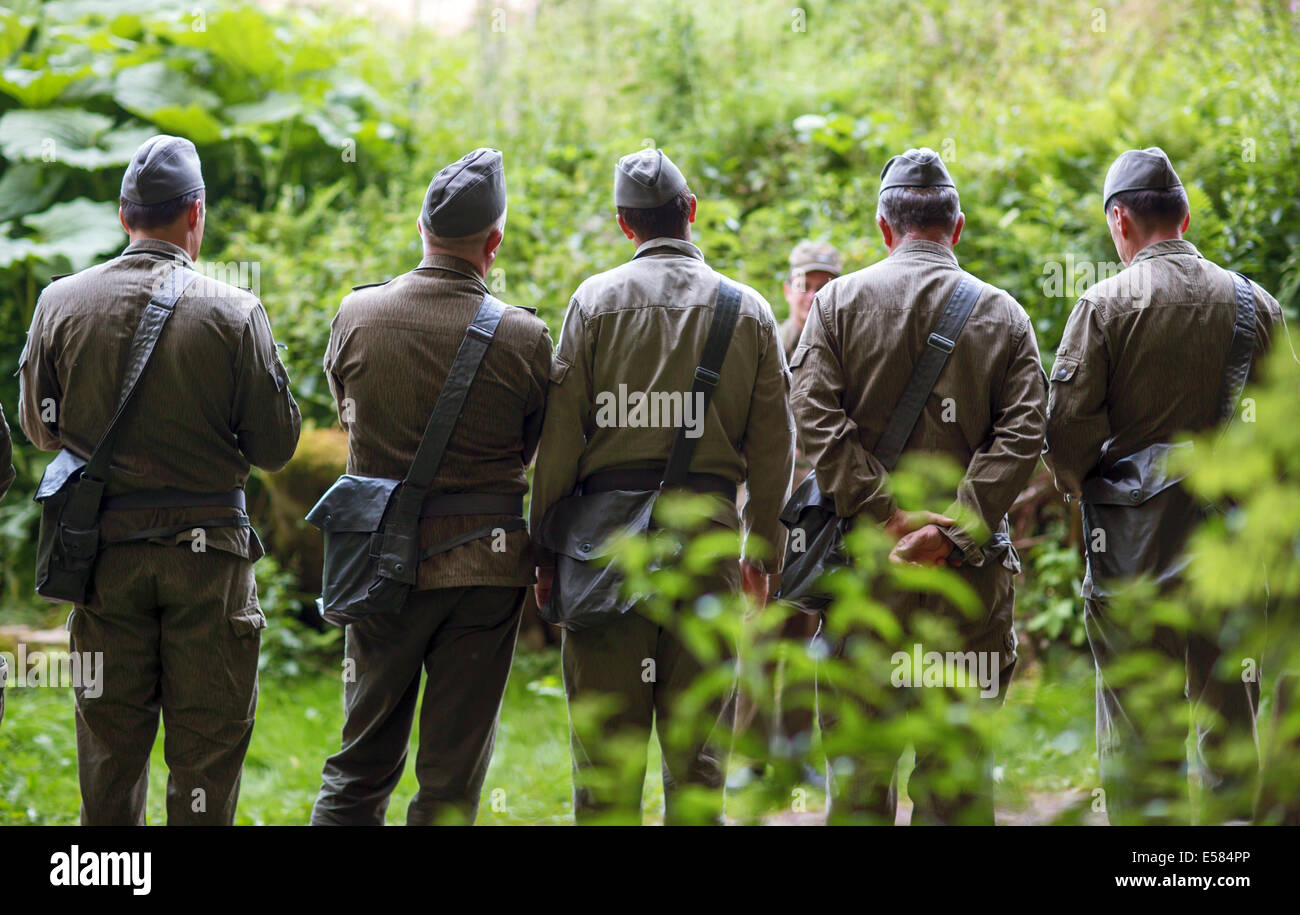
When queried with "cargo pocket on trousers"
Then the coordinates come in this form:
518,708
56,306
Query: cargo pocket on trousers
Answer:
248,623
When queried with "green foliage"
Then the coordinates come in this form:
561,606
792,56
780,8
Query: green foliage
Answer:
319,132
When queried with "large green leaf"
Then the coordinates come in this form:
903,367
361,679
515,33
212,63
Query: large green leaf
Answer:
79,230
71,136
28,187
275,107
37,88
16,250
166,97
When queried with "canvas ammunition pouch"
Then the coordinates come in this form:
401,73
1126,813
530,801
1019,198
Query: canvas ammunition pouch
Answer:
816,541
584,530
371,525
71,491
1137,515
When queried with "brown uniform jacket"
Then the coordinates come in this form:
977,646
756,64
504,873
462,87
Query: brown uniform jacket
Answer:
1142,359
643,325
391,347
864,334
213,400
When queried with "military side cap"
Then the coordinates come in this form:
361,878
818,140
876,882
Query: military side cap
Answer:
809,256
915,168
646,179
466,196
1139,170
162,169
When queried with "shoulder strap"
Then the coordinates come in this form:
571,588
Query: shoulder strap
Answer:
1241,351
926,372
84,505
155,315
707,374
451,400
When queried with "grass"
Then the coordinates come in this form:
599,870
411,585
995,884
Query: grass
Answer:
1047,749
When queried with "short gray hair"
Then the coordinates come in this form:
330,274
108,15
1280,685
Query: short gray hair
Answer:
470,244
909,209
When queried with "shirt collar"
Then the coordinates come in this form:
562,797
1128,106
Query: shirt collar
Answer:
452,265
924,249
673,245
158,246
1165,248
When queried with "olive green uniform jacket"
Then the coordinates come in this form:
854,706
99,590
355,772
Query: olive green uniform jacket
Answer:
643,325
391,347
1142,359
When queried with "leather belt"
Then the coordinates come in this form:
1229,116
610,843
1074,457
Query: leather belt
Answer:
649,479
174,498
472,503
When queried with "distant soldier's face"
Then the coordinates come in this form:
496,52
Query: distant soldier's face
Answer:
800,289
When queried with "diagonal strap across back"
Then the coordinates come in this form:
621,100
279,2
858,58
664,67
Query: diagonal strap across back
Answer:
707,375
925,374
1241,351
447,409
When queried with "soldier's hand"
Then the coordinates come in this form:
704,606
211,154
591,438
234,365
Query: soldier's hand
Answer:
753,581
542,590
924,547
902,523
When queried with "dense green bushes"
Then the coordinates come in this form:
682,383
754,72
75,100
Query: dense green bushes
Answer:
318,136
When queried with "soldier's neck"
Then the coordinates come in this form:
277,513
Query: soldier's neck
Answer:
183,240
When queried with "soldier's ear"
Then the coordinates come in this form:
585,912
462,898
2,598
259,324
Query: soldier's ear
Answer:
122,220
493,242
961,224
692,216
1187,221
885,232
627,230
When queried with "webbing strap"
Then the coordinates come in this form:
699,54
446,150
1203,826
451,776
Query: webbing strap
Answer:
514,524
1241,351
925,374
707,375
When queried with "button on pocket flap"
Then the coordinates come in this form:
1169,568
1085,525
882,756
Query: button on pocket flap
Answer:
1065,369
353,503
591,526
1136,479
248,622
